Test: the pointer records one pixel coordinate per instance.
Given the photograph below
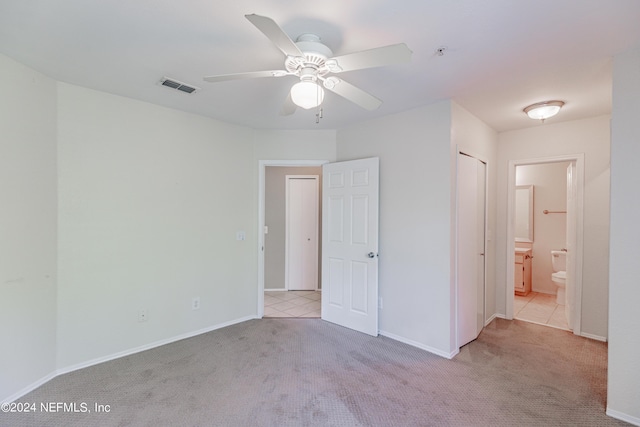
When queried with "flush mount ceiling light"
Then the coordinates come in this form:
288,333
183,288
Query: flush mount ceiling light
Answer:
307,94
543,110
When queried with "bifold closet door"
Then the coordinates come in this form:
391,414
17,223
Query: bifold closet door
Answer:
302,232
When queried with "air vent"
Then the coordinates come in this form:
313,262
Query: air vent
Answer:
175,84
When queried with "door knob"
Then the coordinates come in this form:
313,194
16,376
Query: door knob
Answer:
371,255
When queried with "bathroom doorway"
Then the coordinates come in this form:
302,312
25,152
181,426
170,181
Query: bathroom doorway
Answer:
557,225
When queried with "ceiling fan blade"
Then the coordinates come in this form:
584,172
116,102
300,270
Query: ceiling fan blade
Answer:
288,108
242,76
353,94
274,33
377,57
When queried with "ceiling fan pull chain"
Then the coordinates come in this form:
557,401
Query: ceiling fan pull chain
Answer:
319,113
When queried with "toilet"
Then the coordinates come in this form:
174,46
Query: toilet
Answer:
559,275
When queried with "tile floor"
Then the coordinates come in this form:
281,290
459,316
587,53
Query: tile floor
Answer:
292,303
540,308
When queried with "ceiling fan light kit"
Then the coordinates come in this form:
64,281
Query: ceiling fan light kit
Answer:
311,61
307,94
543,110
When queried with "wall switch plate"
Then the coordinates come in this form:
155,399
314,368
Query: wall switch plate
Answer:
195,303
142,315
380,302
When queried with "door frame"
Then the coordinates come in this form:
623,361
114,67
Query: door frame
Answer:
262,164
287,251
483,159
579,243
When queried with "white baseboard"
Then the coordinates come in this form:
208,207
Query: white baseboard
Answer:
623,417
420,345
594,337
120,354
275,289
29,388
492,318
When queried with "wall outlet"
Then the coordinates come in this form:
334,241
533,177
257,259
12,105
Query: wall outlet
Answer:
241,235
195,303
142,315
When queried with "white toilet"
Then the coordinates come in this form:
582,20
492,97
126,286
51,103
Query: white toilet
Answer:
559,276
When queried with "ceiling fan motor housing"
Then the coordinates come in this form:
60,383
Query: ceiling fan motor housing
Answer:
315,54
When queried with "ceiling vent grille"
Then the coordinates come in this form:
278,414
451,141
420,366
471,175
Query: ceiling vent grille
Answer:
178,85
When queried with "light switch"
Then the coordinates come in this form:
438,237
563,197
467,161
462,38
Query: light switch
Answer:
266,229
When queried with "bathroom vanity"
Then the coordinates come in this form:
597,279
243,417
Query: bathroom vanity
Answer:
522,276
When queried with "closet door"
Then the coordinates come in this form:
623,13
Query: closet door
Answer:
301,247
470,244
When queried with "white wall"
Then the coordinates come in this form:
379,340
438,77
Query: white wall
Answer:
112,206
623,392
417,151
28,273
415,219
150,200
550,230
295,145
591,137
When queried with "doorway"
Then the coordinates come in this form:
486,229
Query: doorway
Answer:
272,235
558,215
353,190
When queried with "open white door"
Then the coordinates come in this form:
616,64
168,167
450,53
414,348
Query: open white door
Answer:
350,244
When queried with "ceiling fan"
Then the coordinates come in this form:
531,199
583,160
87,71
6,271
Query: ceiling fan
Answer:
312,62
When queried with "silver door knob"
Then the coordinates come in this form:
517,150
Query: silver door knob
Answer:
371,255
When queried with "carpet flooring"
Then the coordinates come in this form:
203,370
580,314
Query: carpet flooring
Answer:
307,372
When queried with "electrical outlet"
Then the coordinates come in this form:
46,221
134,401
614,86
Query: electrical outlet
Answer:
195,303
142,315
241,235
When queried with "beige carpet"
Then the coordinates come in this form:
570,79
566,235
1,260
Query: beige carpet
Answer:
306,372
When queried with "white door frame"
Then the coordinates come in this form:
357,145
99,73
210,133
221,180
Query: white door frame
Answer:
287,249
262,164
579,160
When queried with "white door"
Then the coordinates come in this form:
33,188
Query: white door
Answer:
350,244
301,235
570,281
470,264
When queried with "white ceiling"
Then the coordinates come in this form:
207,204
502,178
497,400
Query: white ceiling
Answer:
501,54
